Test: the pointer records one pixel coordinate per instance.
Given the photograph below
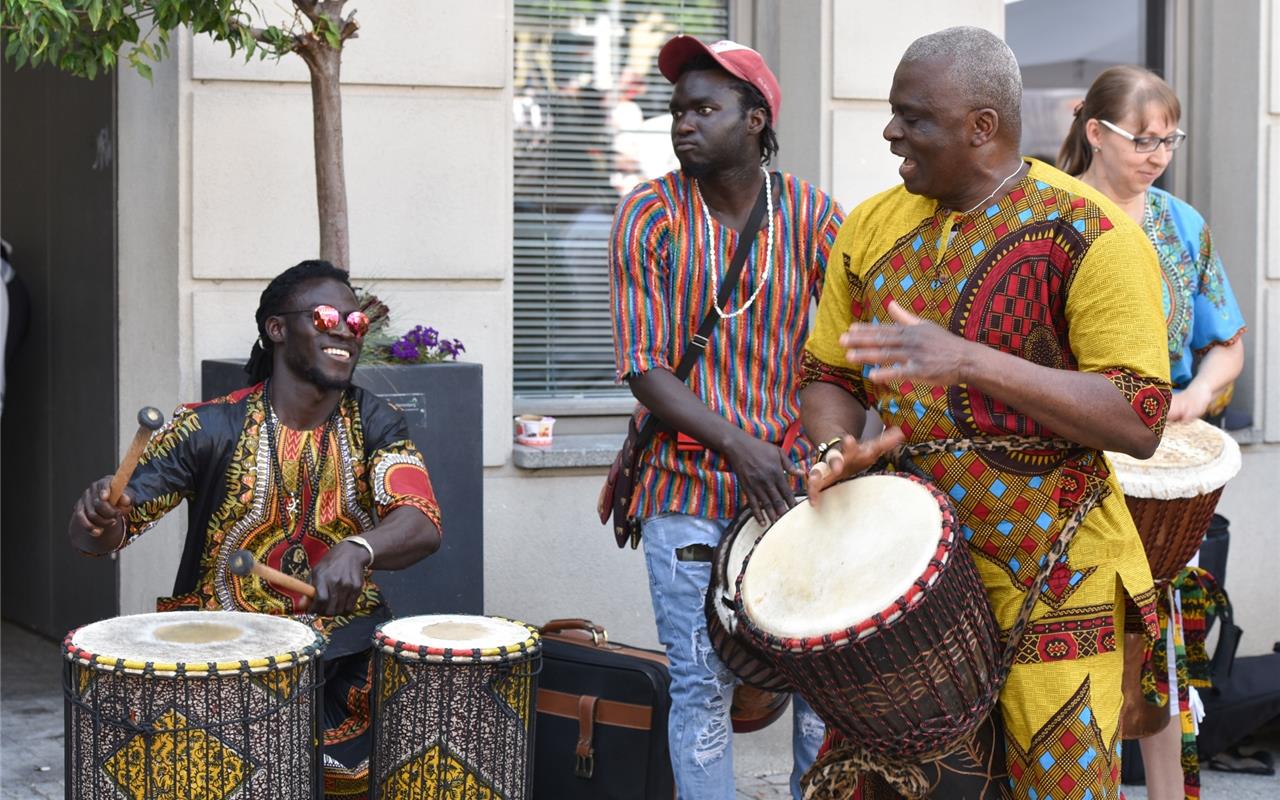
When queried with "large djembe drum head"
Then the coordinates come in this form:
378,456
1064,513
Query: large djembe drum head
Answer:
1173,494
871,607
454,699
199,705
856,554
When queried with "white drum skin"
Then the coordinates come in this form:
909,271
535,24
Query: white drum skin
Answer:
821,570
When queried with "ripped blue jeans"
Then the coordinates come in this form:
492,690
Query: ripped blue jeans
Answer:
699,729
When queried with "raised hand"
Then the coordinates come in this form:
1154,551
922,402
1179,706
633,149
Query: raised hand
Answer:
96,525
910,349
848,459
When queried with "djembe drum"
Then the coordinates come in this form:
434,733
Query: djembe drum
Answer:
197,705
872,609
764,693
453,710
1172,495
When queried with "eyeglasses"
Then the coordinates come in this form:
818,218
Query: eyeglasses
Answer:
1148,144
326,318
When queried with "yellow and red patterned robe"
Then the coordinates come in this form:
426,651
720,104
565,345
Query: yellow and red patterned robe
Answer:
1056,274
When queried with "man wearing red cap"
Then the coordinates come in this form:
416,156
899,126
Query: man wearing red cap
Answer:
672,240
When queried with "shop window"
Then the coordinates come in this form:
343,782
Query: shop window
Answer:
591,121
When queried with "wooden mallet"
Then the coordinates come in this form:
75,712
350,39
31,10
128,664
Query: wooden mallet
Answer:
243,564
149,421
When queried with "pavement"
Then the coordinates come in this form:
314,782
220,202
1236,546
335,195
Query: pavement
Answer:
31,735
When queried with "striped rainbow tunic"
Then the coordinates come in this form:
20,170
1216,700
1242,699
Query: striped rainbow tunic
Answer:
660,288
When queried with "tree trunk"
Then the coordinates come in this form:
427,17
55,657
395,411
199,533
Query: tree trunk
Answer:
325,64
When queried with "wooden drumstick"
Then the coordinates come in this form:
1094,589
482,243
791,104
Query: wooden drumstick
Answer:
149,421
243,563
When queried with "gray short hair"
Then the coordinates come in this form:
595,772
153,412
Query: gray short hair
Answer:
982,66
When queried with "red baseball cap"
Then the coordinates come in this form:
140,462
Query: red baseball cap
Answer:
738,60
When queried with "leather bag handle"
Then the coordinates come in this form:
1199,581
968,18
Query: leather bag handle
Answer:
599,636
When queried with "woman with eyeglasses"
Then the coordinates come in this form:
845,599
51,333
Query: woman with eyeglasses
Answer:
1121,141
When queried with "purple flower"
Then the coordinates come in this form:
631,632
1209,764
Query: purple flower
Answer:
405,350
457,348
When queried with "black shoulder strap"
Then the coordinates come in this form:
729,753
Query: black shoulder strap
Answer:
698,342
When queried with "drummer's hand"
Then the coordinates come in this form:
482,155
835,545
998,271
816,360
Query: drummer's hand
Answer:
339,579
764,475
1190,403
912,349
94,515
850,458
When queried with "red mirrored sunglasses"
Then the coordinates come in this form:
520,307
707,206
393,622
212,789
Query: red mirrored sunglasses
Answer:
326,318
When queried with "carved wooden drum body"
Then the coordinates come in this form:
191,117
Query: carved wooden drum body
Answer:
454,708
872,609
199,705
1173,494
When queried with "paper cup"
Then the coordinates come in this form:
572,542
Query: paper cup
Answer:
534,430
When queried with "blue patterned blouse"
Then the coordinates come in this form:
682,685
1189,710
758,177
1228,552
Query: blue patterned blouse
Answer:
1200,311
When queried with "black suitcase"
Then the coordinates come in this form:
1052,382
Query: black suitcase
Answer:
602,718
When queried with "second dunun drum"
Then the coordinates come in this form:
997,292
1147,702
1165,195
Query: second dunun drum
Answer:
453,708
197,705
871,606
1173,494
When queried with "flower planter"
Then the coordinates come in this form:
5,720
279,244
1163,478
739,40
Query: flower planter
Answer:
443,405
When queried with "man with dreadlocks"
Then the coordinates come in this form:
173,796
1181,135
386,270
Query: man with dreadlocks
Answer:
313,476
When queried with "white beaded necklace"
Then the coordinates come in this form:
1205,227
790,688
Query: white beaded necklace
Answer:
712,249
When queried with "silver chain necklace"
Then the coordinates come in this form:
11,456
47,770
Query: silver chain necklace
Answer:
993,191
712,249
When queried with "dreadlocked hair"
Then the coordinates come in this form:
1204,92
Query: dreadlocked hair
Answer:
275,299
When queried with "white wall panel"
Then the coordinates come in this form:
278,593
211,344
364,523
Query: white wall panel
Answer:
427,176
1271,243
222,324
1269,332
405,42
861,164
870,38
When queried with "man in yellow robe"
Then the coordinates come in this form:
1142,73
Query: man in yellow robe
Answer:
993,302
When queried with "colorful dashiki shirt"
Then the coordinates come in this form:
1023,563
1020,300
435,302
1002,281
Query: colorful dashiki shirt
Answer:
1200,309
1056,274
217,456
661,264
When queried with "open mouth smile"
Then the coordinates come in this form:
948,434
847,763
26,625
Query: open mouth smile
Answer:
337,353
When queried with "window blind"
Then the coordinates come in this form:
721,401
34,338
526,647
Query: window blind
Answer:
590,122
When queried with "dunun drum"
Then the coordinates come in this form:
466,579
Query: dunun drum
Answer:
873,610
453,713
198,705
1173,494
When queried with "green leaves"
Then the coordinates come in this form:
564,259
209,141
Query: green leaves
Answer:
84,37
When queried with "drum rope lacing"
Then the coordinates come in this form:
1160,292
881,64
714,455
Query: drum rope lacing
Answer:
835,775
